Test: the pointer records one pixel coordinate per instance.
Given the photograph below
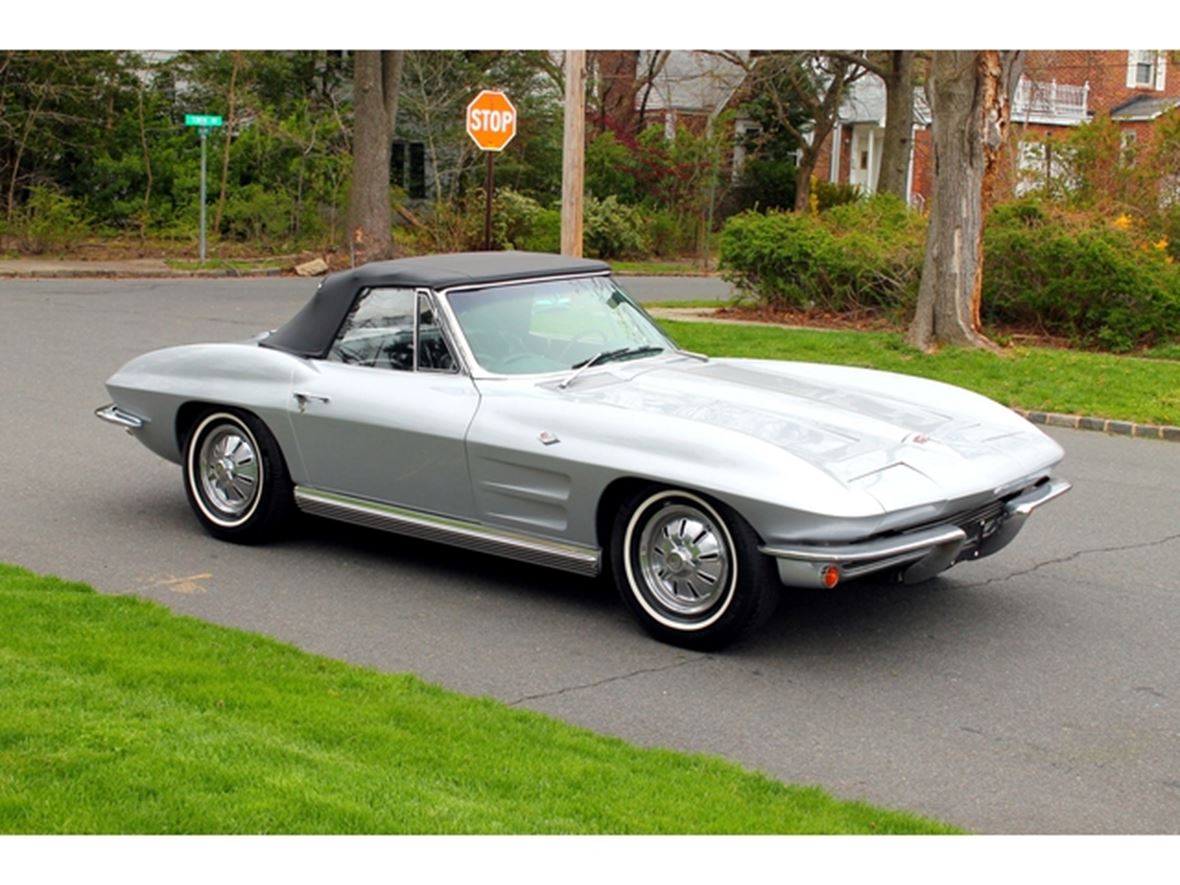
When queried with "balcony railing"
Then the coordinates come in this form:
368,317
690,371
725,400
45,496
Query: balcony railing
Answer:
1037,101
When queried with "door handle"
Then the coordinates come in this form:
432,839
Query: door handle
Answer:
304,398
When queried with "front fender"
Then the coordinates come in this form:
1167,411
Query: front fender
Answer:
541,460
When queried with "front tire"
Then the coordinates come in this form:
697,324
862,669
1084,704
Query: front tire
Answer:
689,569
235,477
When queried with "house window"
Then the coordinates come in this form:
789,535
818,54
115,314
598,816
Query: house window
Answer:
748,135
407,168
1145,69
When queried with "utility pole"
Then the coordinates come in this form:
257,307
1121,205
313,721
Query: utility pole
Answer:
573,167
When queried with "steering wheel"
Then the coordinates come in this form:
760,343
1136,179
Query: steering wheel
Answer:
495,346
516,358
579,338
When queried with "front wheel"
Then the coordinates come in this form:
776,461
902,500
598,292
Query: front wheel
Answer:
689,569
235,477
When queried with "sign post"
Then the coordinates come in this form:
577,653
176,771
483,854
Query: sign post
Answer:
491,123
203,122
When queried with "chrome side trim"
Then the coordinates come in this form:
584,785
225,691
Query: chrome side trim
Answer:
120,417
545,278
575,558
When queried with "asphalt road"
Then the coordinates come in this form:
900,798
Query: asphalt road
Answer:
1034,692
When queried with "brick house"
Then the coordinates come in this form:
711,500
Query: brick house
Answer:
1058,90
852,155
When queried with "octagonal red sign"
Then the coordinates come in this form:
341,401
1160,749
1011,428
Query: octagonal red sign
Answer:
491,120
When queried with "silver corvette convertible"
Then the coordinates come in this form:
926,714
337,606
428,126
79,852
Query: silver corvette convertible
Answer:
524,405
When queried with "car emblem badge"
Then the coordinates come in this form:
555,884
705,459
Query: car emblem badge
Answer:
547,438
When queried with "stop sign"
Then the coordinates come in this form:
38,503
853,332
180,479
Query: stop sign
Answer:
491,120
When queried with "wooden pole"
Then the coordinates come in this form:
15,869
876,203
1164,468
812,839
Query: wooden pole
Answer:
573,152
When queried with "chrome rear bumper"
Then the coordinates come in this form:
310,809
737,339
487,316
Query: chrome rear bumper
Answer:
919,554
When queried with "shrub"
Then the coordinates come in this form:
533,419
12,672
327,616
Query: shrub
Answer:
830,194
50,220
514,218
610,168
669,234
612,229
255,213
765,184
518,222
861,256
1092,280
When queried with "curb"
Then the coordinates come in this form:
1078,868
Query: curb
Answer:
1105,425
133,274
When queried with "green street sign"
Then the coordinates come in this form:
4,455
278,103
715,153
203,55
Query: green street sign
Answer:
202,120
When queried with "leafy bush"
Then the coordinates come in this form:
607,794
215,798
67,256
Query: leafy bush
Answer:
50,220
612,229
255,213
669,234
829,194
610,168
1094,281
514,218
765,184
860,256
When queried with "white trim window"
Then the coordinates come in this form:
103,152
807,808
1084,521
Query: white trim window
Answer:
1146,69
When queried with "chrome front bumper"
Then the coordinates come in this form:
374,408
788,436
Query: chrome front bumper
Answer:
119,417
919,555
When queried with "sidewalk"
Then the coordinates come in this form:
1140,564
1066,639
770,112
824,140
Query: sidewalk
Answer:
131,268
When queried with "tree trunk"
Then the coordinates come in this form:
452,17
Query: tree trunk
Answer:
147,168
970,99
376,75
808,155
230,123
825,112
618,84
899,124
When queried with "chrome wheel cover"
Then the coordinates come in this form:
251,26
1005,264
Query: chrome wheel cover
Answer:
228,471
685,560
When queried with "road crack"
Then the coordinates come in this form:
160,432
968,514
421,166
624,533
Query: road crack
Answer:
609,679
1077,554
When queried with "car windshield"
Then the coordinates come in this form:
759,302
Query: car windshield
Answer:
554,326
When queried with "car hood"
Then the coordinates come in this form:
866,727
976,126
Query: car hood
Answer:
901,439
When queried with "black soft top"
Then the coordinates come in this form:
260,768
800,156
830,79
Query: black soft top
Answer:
310,332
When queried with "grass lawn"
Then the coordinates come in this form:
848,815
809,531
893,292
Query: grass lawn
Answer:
660,268
242,265
117,716
1037,378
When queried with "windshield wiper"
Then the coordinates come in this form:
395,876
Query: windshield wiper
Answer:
606,356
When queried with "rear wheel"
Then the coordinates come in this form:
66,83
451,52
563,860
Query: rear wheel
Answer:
235,477
689,569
